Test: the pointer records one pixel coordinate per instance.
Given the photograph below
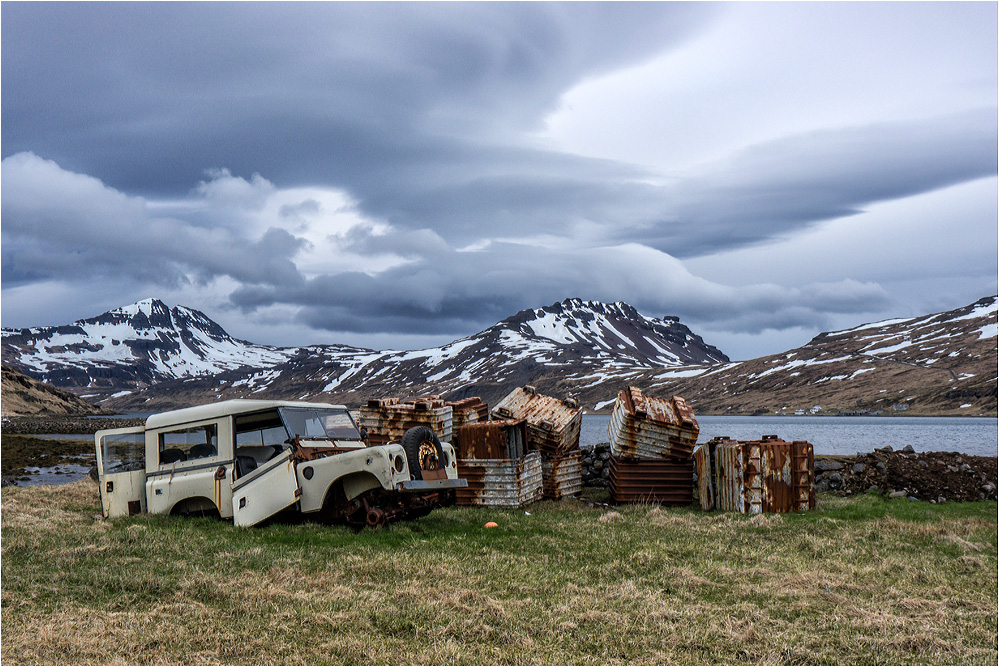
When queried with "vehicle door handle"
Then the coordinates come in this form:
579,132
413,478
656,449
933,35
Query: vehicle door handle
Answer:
220,473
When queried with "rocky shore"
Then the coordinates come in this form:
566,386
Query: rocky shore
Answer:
77,425
935,477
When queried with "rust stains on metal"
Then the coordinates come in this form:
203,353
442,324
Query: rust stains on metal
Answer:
500,482
387,419
646,427
563,476
667,481
705,457
501,439
756,476
552,424
472,410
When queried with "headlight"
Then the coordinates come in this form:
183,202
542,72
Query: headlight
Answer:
400,463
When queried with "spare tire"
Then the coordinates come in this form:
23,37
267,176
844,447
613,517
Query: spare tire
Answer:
423,451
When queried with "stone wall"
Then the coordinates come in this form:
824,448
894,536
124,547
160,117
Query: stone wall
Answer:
596,464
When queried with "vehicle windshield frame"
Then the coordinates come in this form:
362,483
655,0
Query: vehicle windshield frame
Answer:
319,423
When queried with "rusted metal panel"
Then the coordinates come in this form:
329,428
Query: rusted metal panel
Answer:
501,439
470,410
387,419
766,475
500,482
552,424
562,476
705,465
647,427
667,481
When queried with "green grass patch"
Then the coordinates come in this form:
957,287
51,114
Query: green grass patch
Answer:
859,580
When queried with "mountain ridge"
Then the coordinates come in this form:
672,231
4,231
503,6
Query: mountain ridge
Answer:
942,363
112,357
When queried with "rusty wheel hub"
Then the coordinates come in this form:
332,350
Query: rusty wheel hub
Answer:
428,456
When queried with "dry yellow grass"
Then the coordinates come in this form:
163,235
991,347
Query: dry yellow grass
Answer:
857,581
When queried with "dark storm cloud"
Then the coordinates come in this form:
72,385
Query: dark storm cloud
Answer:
774,188
143,141
418,110
294,90
465,291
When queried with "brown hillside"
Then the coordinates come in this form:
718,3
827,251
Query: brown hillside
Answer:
22,396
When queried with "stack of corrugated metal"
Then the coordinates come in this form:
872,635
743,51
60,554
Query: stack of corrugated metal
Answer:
493,457
470,410
756,476
500,439
553,430
500,482
652,442
562,477
387,419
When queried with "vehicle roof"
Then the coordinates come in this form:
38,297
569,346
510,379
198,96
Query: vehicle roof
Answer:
223,408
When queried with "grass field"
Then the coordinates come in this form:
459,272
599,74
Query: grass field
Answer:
859,580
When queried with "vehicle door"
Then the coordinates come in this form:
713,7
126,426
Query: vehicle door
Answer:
121,466
264,480
188,468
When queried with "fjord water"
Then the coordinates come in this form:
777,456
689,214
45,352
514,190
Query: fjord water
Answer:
842,435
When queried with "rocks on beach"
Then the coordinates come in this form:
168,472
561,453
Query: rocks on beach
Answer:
927,476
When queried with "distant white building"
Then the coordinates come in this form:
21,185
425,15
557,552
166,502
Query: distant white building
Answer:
815,409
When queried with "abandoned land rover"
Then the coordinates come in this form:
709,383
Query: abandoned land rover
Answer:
250,459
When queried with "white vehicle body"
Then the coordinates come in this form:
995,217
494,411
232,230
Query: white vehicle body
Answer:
248,460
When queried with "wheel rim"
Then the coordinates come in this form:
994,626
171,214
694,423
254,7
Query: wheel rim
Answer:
428,456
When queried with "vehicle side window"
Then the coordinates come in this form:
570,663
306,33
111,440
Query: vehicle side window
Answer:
123,452
186,444
260,429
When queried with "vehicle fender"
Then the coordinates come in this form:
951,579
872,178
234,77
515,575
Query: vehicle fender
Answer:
195,505
358,471
357,483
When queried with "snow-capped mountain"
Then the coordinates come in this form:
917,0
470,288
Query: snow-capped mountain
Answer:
148,355
133,346
944,363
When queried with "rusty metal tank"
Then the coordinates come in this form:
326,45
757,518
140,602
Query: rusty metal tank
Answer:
499,439
756,476
387,419
552,424
500,482
666,481
562,476
646,427
472,410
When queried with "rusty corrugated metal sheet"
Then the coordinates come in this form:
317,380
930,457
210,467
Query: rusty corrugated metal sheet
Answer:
500,482
472,410
501,439
667,481
705,488
646,427
563,476
552,424
705,465
387,419
766,475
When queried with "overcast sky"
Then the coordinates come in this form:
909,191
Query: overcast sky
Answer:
401,175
